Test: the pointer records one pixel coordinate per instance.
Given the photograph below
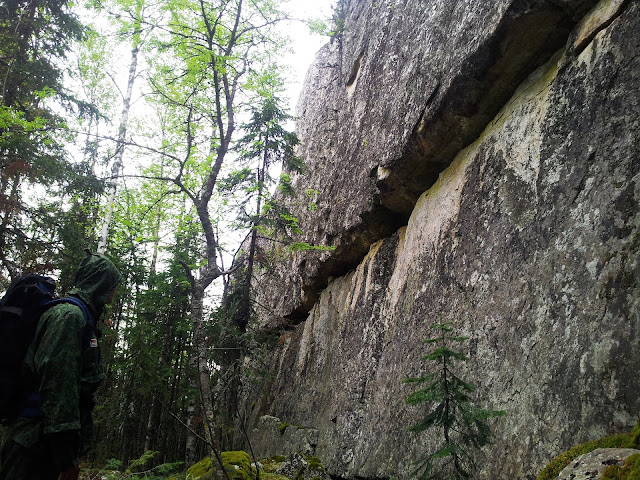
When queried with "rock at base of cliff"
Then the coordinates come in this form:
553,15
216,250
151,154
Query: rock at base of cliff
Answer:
591,465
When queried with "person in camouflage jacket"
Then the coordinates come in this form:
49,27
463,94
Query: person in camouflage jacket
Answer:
64,367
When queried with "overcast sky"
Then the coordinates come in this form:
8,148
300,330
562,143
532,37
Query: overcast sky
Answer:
305,44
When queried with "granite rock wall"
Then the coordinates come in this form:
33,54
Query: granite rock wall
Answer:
385,108
525,233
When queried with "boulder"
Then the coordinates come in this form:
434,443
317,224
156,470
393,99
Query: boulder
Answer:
590,466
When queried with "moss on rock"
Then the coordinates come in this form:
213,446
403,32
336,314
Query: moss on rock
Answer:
200,470
272,476
622,440
635,435
283,427
314,464
629,471
271,464
237,465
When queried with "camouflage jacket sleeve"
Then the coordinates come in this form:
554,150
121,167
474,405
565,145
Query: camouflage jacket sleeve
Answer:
55,358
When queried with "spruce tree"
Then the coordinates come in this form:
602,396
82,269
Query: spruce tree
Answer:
463,426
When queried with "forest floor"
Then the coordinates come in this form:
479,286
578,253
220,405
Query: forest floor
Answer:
238,466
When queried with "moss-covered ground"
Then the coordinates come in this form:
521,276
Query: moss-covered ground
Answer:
239,467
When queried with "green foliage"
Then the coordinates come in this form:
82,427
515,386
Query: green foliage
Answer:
143,463
265,136
266,144
35,37
140,468
451,411
147,349
334,26
113,464
623,440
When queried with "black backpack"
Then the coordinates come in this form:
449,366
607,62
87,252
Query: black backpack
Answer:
24,302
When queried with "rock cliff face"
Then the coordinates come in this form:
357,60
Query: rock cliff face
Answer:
474,162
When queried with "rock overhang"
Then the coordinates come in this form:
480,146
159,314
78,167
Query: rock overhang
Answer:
388,104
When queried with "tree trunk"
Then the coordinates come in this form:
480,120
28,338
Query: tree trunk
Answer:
151,436
122,132
191,442
201,362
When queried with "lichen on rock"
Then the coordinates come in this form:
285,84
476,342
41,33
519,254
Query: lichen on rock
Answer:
602,463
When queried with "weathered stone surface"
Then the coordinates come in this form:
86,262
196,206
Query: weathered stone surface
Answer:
387,106
591,465
529,241
297,467
271,437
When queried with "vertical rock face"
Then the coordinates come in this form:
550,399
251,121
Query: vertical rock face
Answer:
506,135
390,102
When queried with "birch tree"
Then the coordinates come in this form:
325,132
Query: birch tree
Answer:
134,23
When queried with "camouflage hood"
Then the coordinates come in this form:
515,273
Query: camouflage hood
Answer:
95,279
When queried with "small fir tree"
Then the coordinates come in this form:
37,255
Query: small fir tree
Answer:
451,409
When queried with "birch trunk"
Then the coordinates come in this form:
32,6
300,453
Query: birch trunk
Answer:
122,132
191,442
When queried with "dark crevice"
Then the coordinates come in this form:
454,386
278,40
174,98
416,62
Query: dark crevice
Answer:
453,117
297,317
357,477
355,71
430,100
575,12
377,224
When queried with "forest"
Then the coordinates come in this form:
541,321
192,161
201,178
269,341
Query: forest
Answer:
155,132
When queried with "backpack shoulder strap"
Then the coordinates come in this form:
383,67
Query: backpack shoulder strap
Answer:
77,302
